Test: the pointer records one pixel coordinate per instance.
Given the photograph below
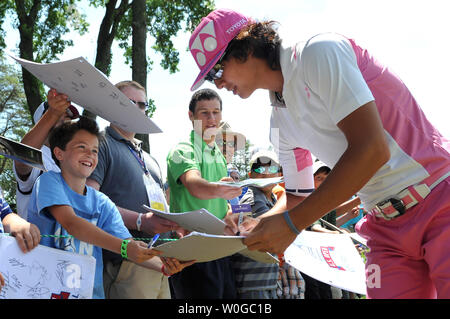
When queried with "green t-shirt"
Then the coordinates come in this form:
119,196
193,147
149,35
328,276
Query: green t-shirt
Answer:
189,155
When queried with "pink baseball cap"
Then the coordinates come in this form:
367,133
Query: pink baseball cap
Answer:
211,37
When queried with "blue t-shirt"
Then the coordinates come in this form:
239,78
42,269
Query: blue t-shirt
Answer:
354,220
4,210
51,189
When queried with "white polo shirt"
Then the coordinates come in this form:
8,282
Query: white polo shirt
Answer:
326,79
23,195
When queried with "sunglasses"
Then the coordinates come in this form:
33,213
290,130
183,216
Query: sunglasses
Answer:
142,105
217,70
229,143
267,169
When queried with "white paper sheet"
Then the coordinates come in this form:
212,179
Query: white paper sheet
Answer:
89,88
330,258
201,220
257,182
44,273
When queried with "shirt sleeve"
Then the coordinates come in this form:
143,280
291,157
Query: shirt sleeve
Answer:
181,159
112,221
296,162
248,198
331,71
50,192
4,207
101,170
257,203
26,186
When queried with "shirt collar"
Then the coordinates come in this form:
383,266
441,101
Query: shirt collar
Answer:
194,137
289,59
137,145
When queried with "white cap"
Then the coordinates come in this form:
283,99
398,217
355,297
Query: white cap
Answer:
317,165
265,156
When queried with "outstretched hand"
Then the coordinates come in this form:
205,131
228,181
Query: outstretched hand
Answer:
272,235
227,191
173,265
154,224
138,251
232,228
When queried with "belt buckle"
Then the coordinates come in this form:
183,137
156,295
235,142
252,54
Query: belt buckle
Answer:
396,202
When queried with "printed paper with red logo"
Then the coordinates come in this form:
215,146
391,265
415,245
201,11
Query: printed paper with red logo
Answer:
330,258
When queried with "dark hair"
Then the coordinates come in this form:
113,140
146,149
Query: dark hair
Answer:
323,169
61,135
259,39
203,94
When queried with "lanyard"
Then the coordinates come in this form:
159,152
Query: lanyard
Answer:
155,192
139,159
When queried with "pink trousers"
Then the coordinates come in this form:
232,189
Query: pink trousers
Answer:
409,256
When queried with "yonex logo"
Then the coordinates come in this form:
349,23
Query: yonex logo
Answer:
205,43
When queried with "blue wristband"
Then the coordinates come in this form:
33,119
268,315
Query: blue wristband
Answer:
290,223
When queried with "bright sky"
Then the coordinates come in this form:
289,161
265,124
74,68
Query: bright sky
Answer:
409,36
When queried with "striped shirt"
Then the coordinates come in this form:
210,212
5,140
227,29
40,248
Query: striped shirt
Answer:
252,275
4,210
291,284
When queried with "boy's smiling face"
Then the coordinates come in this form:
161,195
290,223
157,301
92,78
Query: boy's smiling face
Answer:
80,157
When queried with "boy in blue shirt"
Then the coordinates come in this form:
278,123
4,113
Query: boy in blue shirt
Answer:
62,204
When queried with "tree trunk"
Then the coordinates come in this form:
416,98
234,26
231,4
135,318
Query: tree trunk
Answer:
26,30
139,41
106,34
139,53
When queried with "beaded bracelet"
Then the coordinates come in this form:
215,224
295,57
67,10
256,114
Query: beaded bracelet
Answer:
290,223
123,248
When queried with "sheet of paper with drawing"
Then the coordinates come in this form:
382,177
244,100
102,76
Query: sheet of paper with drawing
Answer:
206,247
21,152
92,90
257,182
44,273
205,225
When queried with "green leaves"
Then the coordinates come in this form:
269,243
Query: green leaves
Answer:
15,121
164,20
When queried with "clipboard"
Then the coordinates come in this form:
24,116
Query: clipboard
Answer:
21,152
206,242
206,247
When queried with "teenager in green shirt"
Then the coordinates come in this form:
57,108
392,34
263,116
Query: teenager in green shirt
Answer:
191,167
